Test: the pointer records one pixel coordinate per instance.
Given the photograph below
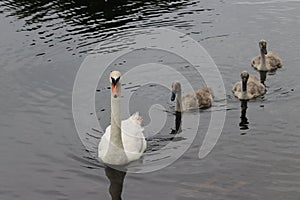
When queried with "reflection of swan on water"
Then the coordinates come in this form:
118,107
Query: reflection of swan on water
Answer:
122,142
244,120
116,179
177,123
201,98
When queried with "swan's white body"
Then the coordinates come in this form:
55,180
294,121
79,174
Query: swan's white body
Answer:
266,61
252,89
124,141
133,140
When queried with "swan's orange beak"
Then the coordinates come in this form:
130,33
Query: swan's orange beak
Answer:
114,90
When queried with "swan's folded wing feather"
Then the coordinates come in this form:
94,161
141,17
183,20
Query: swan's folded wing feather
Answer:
136,118
104,143
133,137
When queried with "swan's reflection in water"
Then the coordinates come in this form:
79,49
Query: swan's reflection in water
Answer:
177,123
244,120
116,179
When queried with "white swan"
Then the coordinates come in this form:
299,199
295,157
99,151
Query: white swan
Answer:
122,142
249,87
201,98
266,61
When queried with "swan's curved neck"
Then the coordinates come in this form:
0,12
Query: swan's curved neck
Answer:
115,132
178,105
263,60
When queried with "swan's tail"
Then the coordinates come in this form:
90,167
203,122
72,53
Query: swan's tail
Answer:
137,118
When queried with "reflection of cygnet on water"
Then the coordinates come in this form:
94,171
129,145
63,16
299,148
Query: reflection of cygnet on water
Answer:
244,120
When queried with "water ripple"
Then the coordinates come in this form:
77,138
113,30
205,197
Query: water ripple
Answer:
85,23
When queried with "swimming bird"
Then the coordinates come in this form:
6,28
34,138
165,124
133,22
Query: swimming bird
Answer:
124,141
201,98
249,87
266,61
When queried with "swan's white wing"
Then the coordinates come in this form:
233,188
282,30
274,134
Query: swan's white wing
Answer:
104,143
133,138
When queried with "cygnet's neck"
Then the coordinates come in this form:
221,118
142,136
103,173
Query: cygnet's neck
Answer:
244,90
263,61
178,106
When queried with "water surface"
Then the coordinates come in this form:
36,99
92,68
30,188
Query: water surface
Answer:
43,44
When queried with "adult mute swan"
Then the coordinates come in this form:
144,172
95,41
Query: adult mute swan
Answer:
201,98
124,141
266,61
249,87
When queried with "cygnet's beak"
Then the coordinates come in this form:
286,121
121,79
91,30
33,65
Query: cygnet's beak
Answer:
264,50
173,96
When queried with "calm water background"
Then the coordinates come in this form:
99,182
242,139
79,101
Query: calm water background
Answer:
42,46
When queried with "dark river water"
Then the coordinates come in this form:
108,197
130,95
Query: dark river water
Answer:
44,43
